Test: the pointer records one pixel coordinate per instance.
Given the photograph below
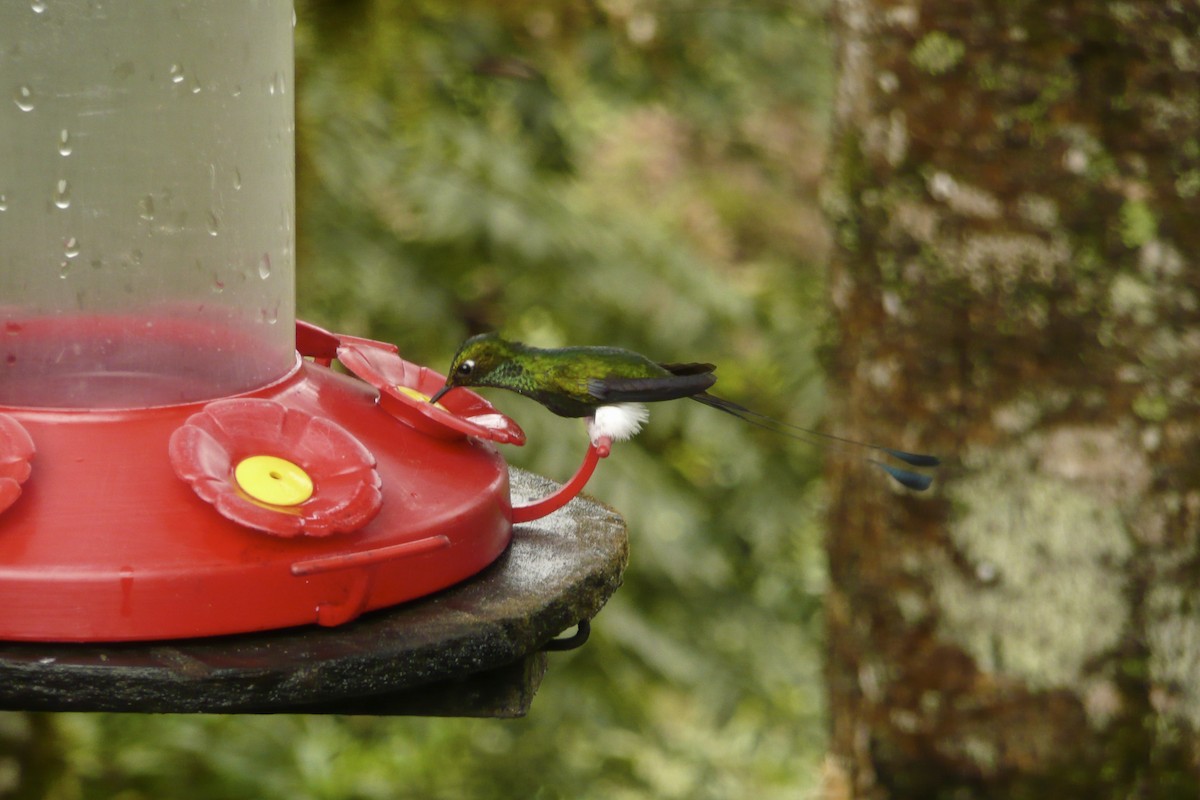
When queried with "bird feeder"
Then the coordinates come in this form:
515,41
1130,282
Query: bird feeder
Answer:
178,459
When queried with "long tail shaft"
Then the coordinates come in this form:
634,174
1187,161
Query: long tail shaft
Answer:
908,478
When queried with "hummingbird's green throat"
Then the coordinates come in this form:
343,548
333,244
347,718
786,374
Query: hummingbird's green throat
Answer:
608,384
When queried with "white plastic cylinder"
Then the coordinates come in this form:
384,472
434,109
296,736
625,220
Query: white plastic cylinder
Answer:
147,201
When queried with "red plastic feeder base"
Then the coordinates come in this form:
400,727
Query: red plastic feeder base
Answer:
139,524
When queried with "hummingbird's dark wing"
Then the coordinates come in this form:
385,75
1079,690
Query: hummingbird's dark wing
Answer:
681,380
695,368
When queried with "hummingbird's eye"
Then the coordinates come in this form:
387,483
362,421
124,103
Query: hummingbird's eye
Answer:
466,367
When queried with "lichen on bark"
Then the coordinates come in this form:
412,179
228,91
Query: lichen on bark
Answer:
1029,594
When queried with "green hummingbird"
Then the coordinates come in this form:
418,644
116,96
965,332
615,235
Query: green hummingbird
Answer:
608,385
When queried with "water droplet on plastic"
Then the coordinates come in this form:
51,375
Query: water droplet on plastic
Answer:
12,328
38,6
176,73
218,285
64,269
214,224
237,179
70,247
146,208
62,194
3,202
24,98
264,266
64,143
11,359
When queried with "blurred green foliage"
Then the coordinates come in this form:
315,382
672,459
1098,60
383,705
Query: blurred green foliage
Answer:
638,173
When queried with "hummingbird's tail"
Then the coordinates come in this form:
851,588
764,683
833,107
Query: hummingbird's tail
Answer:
908,478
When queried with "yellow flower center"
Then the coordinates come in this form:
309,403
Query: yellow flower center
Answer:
420,397
272,480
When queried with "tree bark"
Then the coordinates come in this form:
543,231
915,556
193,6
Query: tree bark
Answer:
1016,286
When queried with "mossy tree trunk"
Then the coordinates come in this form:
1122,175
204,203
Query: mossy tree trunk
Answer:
1016,204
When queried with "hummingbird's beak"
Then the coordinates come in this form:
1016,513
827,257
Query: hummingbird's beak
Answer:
440,392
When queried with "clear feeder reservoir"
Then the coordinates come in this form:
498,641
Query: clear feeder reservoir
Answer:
146,201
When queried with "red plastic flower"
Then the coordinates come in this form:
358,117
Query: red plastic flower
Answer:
277,469
16,450
316,343
405,388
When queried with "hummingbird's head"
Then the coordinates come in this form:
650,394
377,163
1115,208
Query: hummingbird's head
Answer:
476,363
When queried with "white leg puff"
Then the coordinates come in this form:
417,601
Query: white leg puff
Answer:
619,422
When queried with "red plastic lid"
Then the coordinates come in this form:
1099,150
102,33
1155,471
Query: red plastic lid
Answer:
104,538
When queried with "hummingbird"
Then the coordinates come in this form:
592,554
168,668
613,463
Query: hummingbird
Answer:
607,386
